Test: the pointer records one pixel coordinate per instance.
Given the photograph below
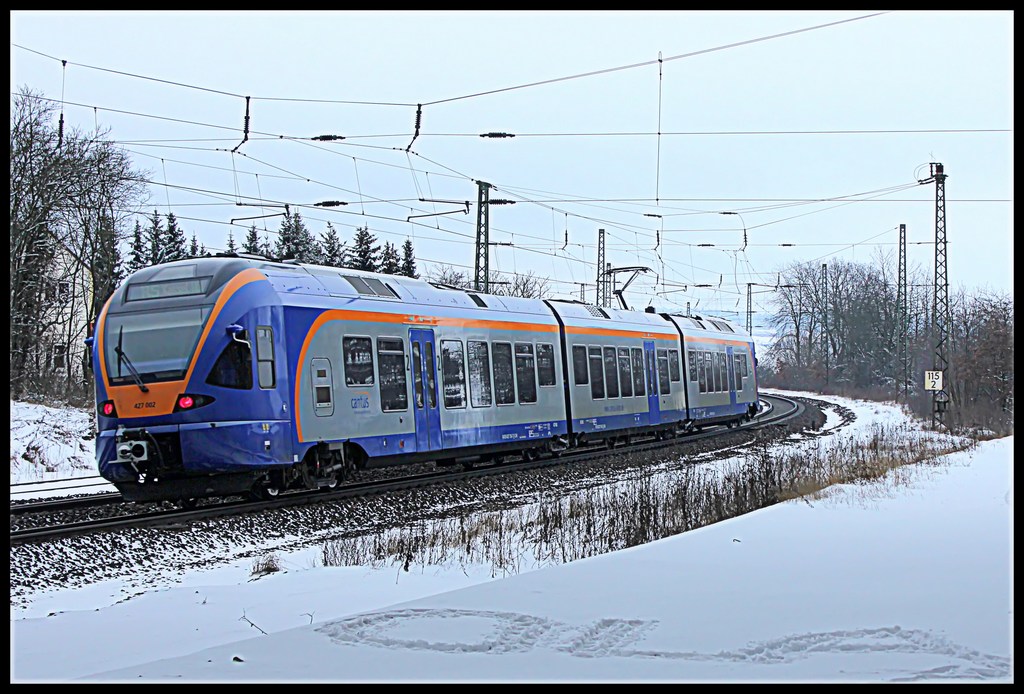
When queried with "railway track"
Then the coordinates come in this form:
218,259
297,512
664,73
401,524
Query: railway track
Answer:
776,410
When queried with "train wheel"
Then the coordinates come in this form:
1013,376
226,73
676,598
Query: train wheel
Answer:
265,492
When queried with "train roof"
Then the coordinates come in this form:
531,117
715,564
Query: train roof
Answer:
304,284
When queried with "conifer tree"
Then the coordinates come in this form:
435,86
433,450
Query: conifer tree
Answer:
365,250
332,250
138,255
154,239
193,247
295,241
408,267
252,242
389,261
174,240
231,247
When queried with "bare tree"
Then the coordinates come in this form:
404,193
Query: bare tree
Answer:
71,196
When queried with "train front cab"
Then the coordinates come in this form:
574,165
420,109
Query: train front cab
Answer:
190,377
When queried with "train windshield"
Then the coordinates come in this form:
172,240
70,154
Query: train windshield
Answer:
158,345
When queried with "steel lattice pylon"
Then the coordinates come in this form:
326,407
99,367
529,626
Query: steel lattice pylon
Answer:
482,267
940,309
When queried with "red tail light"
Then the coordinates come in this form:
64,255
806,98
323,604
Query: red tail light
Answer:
107,408
189,401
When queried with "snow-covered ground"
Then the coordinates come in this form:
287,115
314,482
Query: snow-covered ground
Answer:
906,579
50,443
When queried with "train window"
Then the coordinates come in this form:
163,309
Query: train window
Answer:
702,377
545,364
358,353
691,357
716,375
265,355
526,372
723,371
233,368
579,365
638,371
597,373
479,374
453,373
625,377
504,385
611,375
417,374
709,382
428,360
743,359
673,364
663,381
737,372
394,392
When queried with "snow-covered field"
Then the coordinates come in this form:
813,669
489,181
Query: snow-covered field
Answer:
50,443
904,579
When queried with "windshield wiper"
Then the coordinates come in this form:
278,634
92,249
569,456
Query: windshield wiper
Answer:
121,356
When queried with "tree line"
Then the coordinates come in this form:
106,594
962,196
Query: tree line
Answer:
841,329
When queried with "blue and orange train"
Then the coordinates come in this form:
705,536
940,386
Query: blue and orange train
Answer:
234,375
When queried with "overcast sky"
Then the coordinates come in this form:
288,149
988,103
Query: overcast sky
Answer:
649,125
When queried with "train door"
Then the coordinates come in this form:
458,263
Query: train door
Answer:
424,380
653,394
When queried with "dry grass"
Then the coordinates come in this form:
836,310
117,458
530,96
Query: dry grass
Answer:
559,528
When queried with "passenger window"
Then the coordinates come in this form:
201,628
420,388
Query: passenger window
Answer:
625,377
673,364
737,372
579,365
504,385
545,364
611,373
716,376
702,381
428,358
453,374
394,391
638,371
479,374
708,379
265,356
526,376
723,371
358,353
664,385
417,375
597,373
691,357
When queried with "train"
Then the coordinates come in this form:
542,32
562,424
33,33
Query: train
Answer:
236,374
